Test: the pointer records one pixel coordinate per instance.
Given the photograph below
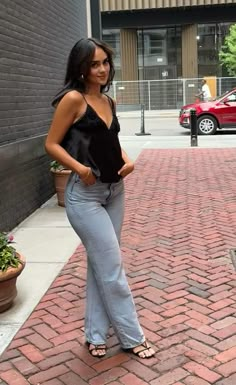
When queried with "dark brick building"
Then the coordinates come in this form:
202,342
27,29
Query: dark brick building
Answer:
35,39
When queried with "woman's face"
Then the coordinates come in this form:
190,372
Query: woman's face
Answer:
99,69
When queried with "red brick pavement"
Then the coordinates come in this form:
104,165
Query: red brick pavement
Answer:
179,228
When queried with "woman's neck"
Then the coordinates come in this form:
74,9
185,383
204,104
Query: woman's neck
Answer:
94,91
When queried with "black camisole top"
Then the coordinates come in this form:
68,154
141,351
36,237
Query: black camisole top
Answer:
95,145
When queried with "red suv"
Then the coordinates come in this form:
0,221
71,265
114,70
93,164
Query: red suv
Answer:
218,113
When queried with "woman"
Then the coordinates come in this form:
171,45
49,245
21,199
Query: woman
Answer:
84,138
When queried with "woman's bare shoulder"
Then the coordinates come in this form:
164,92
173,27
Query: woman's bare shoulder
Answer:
72,102
111,100
73,96
109,97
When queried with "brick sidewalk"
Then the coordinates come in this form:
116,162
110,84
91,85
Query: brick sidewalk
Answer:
179,228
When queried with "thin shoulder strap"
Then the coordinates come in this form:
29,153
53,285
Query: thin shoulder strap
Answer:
84,98
112,104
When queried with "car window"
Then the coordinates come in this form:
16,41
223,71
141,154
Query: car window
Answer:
221,96
232,97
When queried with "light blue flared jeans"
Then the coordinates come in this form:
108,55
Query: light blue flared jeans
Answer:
96,213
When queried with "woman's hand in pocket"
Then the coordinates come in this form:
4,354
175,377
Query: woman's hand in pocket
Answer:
87,176
126,169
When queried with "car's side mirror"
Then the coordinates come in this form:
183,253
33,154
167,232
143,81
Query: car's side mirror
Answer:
226,101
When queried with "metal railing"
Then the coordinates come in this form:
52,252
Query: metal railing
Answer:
167,93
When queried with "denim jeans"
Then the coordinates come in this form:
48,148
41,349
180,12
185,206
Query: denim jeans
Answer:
96,214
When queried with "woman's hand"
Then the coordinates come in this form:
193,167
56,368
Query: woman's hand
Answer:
126,169
87,176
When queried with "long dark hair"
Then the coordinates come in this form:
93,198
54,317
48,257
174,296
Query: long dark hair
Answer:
78,66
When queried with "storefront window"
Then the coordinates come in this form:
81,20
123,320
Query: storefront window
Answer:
210,39
159,53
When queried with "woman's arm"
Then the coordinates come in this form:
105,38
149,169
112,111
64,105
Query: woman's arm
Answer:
125,157
128,166
68,110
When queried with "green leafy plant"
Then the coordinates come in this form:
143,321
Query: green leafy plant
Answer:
56,166
8,255
227,55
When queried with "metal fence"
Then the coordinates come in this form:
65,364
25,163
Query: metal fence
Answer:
167,93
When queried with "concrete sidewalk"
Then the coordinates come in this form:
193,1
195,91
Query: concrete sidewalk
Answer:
149,114
178,232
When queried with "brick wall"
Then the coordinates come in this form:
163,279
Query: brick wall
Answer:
35,39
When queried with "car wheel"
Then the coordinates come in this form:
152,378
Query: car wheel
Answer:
207,125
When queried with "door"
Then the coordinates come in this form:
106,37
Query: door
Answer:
228,113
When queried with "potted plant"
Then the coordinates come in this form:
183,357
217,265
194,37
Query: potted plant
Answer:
11,265
61,176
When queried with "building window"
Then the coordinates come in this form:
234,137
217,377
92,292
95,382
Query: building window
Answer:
156,43
159,53
210,39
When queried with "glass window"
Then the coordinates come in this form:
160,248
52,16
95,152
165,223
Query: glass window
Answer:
232,97
159,53
210,39
156,44
155,47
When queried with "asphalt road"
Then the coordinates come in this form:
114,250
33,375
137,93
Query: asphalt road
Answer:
159,126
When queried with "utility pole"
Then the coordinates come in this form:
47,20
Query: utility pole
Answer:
96,23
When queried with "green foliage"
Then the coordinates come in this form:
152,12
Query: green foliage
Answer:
8,256
56,166
227,55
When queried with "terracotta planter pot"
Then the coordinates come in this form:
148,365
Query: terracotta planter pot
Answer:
8,290
60,180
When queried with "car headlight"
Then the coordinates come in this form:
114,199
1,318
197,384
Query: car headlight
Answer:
187,111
